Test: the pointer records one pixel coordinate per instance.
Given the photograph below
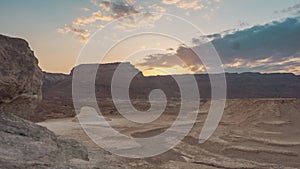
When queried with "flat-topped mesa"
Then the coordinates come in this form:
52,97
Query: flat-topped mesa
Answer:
107,68
103,73
20,77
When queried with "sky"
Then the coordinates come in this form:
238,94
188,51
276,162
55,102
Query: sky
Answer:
249,35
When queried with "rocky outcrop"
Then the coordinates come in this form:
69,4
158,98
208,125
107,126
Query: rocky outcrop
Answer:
73,149
20,77
24,144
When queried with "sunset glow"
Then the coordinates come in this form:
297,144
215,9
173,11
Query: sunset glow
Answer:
67,26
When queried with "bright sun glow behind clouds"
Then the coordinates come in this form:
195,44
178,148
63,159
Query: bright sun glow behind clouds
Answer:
55,28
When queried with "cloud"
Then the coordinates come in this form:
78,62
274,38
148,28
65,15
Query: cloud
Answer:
184,4
273,47
190,4
243,24
292,10
184,57
83,34
137,21
276,39
96,16
109,12
157,8
84,9
106,5
123,11
268,65
95,2
116,9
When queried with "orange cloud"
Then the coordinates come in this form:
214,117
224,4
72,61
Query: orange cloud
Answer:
185,58
189,4
83,34
157,8
111,10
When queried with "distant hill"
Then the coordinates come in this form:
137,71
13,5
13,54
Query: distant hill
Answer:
50,79
239,85
57,90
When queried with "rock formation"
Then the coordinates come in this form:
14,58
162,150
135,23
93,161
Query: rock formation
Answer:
20,77
58,103
23,144
239,85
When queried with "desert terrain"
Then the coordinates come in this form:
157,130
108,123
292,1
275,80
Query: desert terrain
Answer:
258,130
259,127
253,133
170,84
57,99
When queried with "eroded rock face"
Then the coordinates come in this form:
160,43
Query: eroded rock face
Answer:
20,77
24,144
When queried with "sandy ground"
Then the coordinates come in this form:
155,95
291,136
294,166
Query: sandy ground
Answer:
253,133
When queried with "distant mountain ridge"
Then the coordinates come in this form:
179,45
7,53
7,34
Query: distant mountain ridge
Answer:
50,79
57,90
239,85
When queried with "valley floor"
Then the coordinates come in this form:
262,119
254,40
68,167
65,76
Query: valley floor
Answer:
253,133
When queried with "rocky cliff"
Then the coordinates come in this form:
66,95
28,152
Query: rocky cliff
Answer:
20,77
23,144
